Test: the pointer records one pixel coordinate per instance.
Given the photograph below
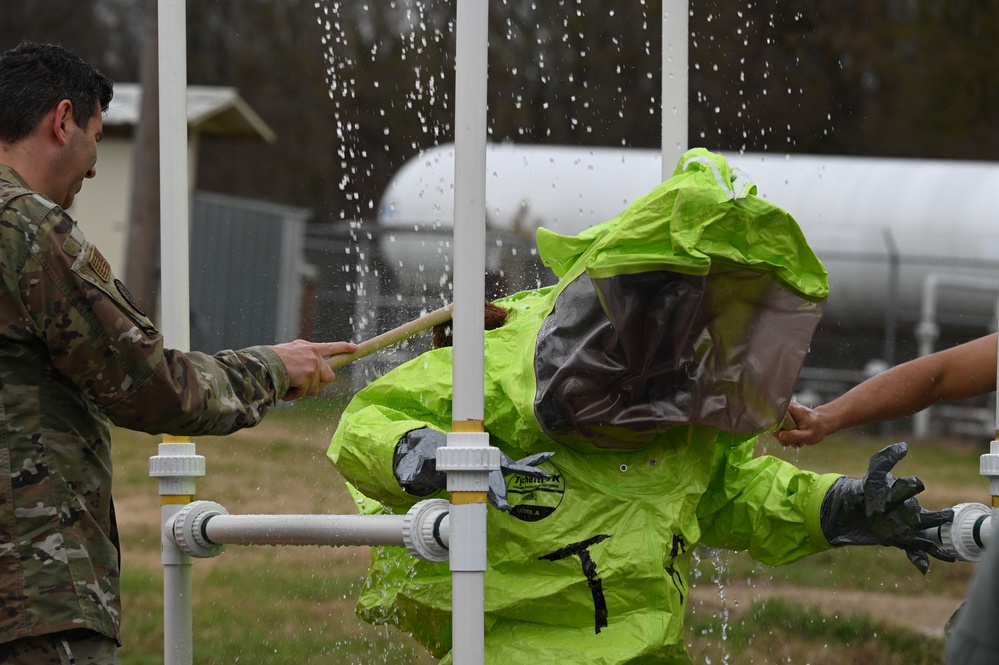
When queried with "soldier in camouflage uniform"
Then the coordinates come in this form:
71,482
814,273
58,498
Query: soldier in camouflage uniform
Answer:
76,352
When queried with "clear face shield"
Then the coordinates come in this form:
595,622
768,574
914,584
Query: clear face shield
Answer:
623,358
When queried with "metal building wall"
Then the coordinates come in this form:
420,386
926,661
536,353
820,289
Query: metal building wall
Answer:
247,268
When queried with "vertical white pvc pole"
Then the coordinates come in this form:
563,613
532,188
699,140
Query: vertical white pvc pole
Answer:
174,207
177,467
174,195
676,19
470,207
466,458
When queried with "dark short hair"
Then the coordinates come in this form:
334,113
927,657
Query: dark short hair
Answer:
34,78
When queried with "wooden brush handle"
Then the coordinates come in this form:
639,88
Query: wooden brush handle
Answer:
394,336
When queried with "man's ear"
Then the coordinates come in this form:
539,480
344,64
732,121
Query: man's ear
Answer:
61,119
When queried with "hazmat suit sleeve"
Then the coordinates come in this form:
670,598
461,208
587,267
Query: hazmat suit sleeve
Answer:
763,504
363,446
417,394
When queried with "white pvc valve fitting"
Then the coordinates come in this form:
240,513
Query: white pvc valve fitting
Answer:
188,529
425,530
968,535
178,467
467,459
989,467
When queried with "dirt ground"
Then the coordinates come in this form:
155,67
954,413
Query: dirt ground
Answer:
919,614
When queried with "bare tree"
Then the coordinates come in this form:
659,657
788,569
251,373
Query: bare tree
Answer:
141,272
353,90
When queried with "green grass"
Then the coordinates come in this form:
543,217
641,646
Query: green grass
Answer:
266,605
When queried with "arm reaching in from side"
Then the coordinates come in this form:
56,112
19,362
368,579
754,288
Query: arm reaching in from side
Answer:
963,371
308,370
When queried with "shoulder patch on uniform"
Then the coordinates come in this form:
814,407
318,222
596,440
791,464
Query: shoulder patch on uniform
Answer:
126,294
71,246
100,265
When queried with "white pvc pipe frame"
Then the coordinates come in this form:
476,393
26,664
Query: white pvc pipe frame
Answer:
174,250
468,534
468,520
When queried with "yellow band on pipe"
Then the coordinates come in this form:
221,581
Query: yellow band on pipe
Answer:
995,501
170,499
464,498
169,438
468,426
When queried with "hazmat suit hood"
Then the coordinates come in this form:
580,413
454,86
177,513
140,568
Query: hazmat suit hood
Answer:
696,305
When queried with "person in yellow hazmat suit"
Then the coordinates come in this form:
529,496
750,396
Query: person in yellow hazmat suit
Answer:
626,401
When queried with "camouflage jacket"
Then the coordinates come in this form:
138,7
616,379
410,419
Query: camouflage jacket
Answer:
75,352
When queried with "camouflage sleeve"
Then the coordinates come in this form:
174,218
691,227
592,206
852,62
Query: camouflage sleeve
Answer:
99,338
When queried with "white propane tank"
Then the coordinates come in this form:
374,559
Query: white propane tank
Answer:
932,216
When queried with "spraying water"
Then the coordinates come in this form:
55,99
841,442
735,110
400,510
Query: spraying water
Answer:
553,63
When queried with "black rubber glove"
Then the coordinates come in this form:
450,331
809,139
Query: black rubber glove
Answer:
879,509
415,466
526,466
415,461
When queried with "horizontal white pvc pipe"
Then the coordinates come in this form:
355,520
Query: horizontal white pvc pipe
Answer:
305,529
935,281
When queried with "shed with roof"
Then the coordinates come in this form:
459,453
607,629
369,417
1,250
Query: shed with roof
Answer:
102,207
